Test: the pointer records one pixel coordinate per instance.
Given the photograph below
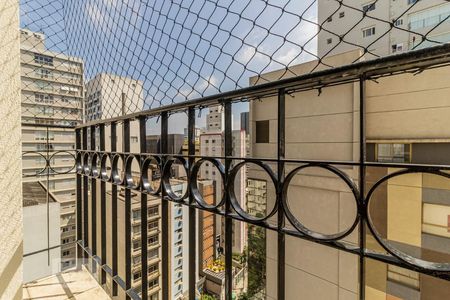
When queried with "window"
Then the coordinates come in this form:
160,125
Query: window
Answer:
153,211
134,139
397,48
369,31
136,245
43,59
329,41
65,241
153,240
66,253
368,7
262,131
398,153
398,22
342,14
153,283
152,269
136,214
152,225
43,73
137,276
429,17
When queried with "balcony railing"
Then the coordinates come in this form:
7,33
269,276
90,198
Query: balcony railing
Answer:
93,175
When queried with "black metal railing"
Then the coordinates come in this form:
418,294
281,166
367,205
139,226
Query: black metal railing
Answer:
92,169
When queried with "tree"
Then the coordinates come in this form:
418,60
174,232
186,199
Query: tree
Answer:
256,260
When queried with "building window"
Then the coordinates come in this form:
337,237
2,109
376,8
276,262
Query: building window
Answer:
152,269
368,7
398,22
429,17
134,139
342,14
397,48
153,211
66,253
43,59
369,31
136,245
153,240
398,153
153,283
329,41
262,131
152,253
152,225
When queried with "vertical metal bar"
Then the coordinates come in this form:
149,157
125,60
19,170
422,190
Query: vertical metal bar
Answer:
164,214
126,149
85,200
280,212
192,211
144,209
93,208
114,220
362,183
228,220
102,208
79,199
48,195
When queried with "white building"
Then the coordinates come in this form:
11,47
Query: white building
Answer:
377,35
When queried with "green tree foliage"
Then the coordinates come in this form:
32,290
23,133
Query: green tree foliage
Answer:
256,260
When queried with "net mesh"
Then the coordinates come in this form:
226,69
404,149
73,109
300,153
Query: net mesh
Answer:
134,55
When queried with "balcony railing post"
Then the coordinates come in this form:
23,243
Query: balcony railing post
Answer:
164,213
228,220
126,150
93,203
102,207
362,183
114,220
280,172
79,198
192,210
85,198
144,209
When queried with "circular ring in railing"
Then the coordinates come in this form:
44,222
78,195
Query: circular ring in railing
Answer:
151,164
117,172
395,251
193,183
79,163
106,167
166,179
95,168
235,202
70,167
40,171
87,164
304,229
130,180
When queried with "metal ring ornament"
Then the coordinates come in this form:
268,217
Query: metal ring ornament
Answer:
115,176
408,259
145,182
233,199
129,181
104,168
302,228
41,171
193,184
79,163
94,165
86,164
58,152
165,178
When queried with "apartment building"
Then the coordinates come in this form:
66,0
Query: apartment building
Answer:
52,104
405,122
411,18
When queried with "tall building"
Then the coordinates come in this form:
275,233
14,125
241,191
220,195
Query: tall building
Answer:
412,18
405,122
52,104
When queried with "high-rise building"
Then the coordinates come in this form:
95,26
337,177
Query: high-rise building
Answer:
404,123
410,17
52,105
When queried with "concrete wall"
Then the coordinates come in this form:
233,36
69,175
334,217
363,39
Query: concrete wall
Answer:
10,154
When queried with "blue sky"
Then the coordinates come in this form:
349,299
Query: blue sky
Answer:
180,49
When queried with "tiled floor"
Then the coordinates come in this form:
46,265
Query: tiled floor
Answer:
67,285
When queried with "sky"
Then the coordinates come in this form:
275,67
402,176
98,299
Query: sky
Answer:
179,49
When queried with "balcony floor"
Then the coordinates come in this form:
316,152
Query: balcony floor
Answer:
71,284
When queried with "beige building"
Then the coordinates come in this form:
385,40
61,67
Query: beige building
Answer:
11,228
375,35
52,97
406,121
